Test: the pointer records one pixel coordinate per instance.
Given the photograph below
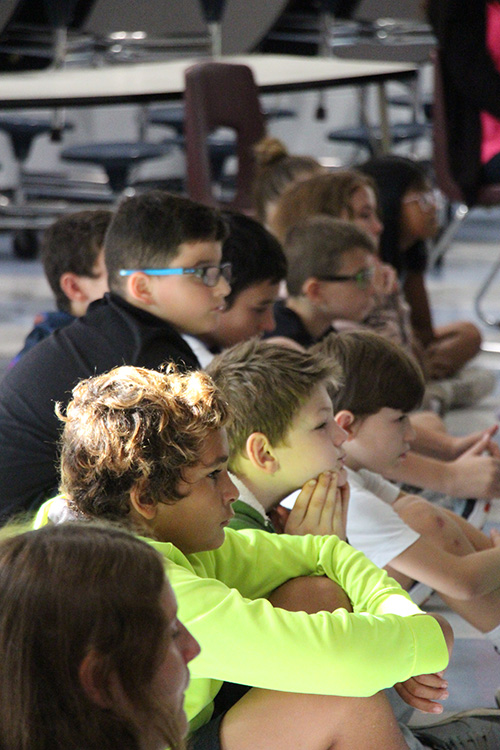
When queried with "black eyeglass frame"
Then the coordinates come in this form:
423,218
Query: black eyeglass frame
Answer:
362,278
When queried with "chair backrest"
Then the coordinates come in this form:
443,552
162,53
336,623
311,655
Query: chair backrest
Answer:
444,178
221,94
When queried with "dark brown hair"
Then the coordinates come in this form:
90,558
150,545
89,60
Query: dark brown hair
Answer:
377,373
73,244
66,591
147,230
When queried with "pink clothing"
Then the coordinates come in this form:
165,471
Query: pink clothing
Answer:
490,126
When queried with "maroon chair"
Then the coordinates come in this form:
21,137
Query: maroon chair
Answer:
225,95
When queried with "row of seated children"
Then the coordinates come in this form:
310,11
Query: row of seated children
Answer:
289,618
75,667
440,548
330,265
401,308
130,325
396,191
104,495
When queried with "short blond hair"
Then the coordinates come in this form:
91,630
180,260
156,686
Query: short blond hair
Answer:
133,427
266,385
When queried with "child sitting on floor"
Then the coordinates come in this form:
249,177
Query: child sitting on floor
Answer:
412,538
75,668
72,255
149,450
330,265
258,268
282,435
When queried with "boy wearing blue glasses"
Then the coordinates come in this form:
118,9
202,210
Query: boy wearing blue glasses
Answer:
330,275
163,255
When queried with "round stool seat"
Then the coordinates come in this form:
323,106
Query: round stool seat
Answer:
116,158
360,135
172,117
22,130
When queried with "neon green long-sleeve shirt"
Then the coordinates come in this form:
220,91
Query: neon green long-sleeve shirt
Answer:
245,639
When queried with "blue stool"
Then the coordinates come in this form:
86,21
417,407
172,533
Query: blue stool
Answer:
117,159
364,137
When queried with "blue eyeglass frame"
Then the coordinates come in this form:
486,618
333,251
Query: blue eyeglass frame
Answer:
225,270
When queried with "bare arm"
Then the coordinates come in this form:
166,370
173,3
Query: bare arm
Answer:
430,441
416,296
470,475
460,577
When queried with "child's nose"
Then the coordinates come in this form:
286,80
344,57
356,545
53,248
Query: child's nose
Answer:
339,435
377,227
410,433
230,491
222,288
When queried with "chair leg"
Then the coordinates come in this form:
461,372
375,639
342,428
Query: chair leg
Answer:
444,242
482,292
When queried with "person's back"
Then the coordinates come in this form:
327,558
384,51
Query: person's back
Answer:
139,322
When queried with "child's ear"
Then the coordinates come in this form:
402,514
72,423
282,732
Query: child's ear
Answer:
311,288
347,421
147,511
260,453
92,680
70,285
138,287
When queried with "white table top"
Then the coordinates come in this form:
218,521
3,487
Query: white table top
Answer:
142,82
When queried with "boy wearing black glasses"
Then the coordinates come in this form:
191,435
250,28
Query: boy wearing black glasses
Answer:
163,255
331,269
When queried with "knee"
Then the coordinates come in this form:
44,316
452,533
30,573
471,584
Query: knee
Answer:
471,335
310,594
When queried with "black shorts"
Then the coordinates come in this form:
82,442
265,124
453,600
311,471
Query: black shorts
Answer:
207,736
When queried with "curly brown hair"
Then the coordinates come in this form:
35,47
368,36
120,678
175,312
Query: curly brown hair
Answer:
133,427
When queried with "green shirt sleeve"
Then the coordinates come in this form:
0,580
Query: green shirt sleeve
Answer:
245,639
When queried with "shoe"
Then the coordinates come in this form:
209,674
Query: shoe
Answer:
466,388
471,385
